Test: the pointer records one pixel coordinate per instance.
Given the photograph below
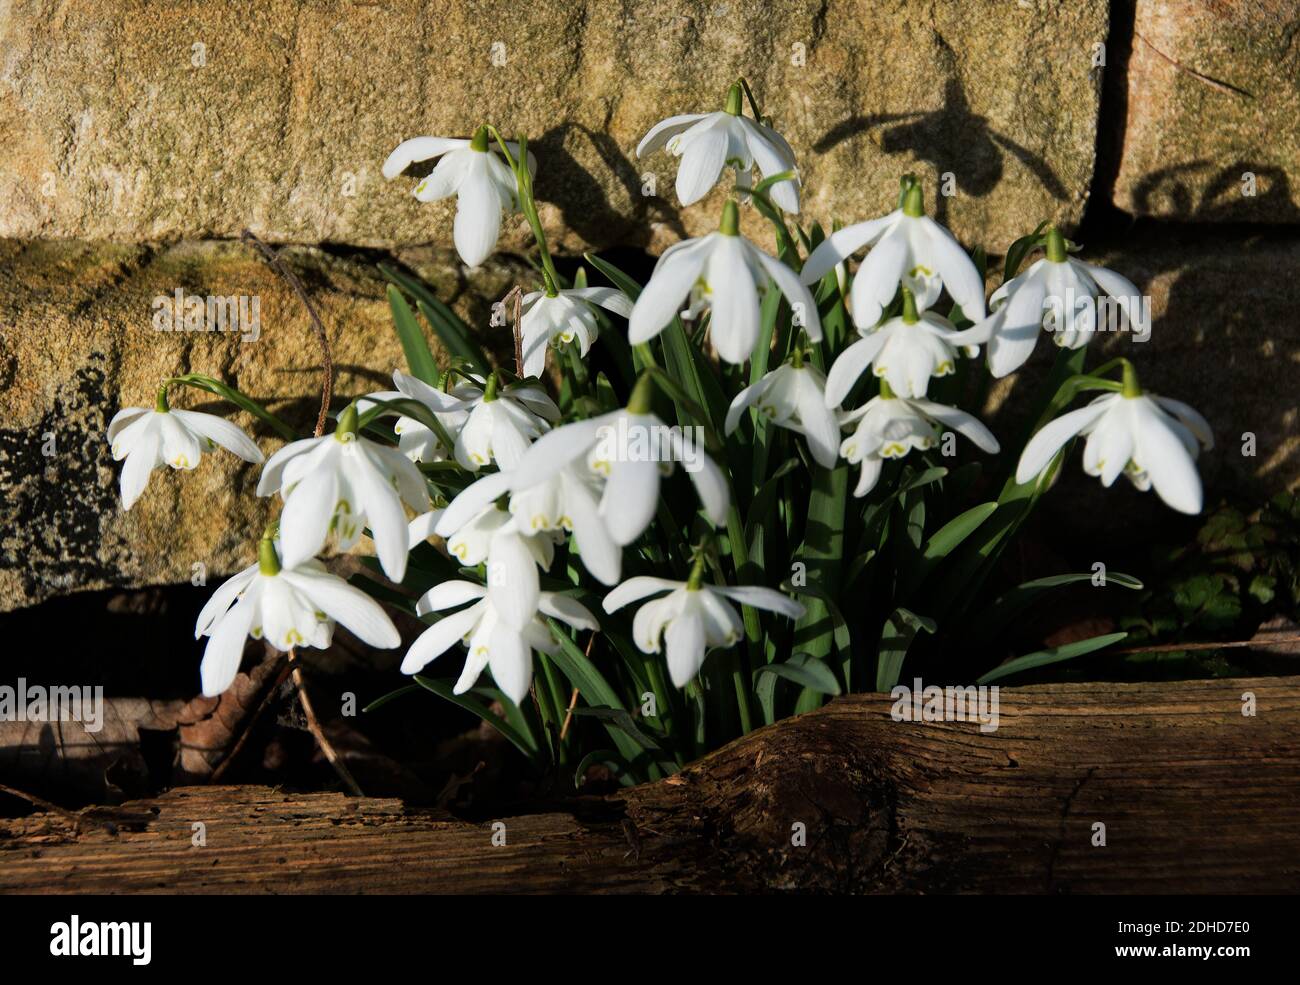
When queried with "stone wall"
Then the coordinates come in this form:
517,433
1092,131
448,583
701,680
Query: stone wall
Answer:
139,138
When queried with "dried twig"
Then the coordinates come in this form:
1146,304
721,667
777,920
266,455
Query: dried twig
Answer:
1179,647
327,386
516,295
573,698
41,803
313,726
1199,77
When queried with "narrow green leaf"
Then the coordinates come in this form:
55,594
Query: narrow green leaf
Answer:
997,616
622,720
1055,655
443,689
806,671
209,384
895,639
419,358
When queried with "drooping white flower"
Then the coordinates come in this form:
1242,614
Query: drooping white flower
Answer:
708,142
288,606
554,320
630,448
890,427
906,351
416,441
493,642
148,439
501,422
478,530
569,500
793,396
692,618
343,482
1060,295
728,275
908,248
471,170
1153,440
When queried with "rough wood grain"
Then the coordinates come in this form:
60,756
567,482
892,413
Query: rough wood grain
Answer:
1195,797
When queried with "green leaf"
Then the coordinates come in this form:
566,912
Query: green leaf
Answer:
942,542
622,720
449,327
1018,250
443,689
419,359
605,757
619,279
804,670
997,616
1056,654
895,639
593,687
209,384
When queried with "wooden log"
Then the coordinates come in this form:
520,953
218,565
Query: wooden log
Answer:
1194,796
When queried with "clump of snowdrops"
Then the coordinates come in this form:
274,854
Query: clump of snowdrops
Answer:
693,506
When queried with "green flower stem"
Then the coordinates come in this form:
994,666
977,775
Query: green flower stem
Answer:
348,422
527,203
479,141
1129,387
1054,243
742,671
730,224
642,399
573,357
490,388
696,577
910,316
914,201
787,249
160,404
268,562
734,104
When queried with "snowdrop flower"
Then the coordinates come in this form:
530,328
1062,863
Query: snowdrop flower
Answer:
793,396
478,530
288,606
630,448
908,248
890,427
492,641
1058,294
162,436
501,423
553,318
481,181
1153,440
692,618
414,440
344,482
568,500
708,142
727,274
906,351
